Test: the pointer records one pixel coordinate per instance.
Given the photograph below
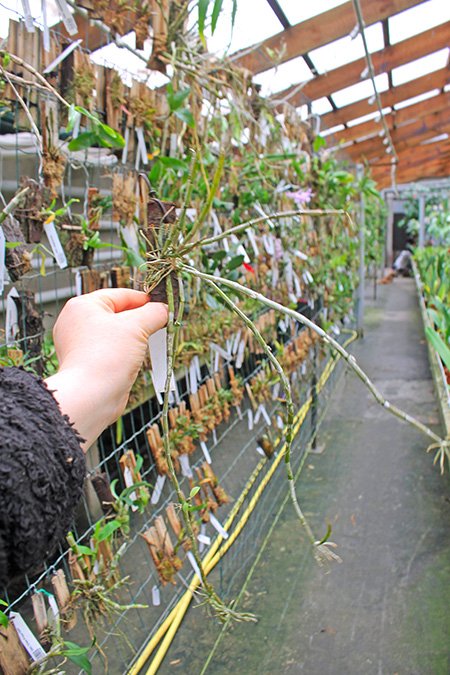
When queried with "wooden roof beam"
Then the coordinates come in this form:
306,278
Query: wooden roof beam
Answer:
435,80
397,118
316,32
404,137
383,61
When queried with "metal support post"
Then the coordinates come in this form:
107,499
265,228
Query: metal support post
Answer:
362,267
421,241
390,230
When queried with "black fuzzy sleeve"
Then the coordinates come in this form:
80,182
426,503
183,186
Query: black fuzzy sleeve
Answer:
42,468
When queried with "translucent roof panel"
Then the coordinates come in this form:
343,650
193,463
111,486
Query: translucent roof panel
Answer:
419,67
255,21
14,9
321,106
343,51
417,19
366,118
294,71
356,92
416,99
300,11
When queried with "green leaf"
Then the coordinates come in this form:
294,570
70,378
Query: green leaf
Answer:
174,163
202,11
3,603
87,114
13,244
83,141
175,99
72,117
319,142
327,535
4,621
6,60
155,173
233,13
439,345
194,491
73,648
107,530
85,550
235,262
110,136
80,660
215,14
185,116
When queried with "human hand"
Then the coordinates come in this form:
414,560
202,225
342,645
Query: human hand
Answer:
101,342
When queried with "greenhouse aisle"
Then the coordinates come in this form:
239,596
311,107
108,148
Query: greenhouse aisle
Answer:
385,609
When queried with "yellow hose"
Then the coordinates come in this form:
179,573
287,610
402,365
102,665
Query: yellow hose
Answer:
170,625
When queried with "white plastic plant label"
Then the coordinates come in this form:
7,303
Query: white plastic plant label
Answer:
204,539
239,411
2,260
265,414
12,317
126,139
157,344
250,419
29,25
217,526
257,415
129,482
26,637
156,596
185,466
192,560
241,250
275,391
64,54
156,495
205,451
46,32
78,283
220,351
297,287
214,435
252,240
280,423
301,255
236,340
55,244
260,451
193,383
240,355
68,20
141,145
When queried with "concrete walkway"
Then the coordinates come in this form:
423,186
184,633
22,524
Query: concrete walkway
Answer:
386,609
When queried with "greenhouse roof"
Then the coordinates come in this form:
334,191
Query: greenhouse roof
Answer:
312,56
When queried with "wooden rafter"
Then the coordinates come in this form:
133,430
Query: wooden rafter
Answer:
427,161
394,119
316,32
435,80
383,61
402,137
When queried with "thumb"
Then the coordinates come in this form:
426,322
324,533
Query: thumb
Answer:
148,318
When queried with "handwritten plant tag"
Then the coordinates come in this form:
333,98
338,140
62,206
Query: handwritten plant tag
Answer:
157,344
55,244
26,637
156,495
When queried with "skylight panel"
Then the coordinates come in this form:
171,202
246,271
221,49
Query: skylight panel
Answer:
255,21
361,90
368,117
332,130
301,11
343,51
290,73
416,99
321,106
417,19
419,67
